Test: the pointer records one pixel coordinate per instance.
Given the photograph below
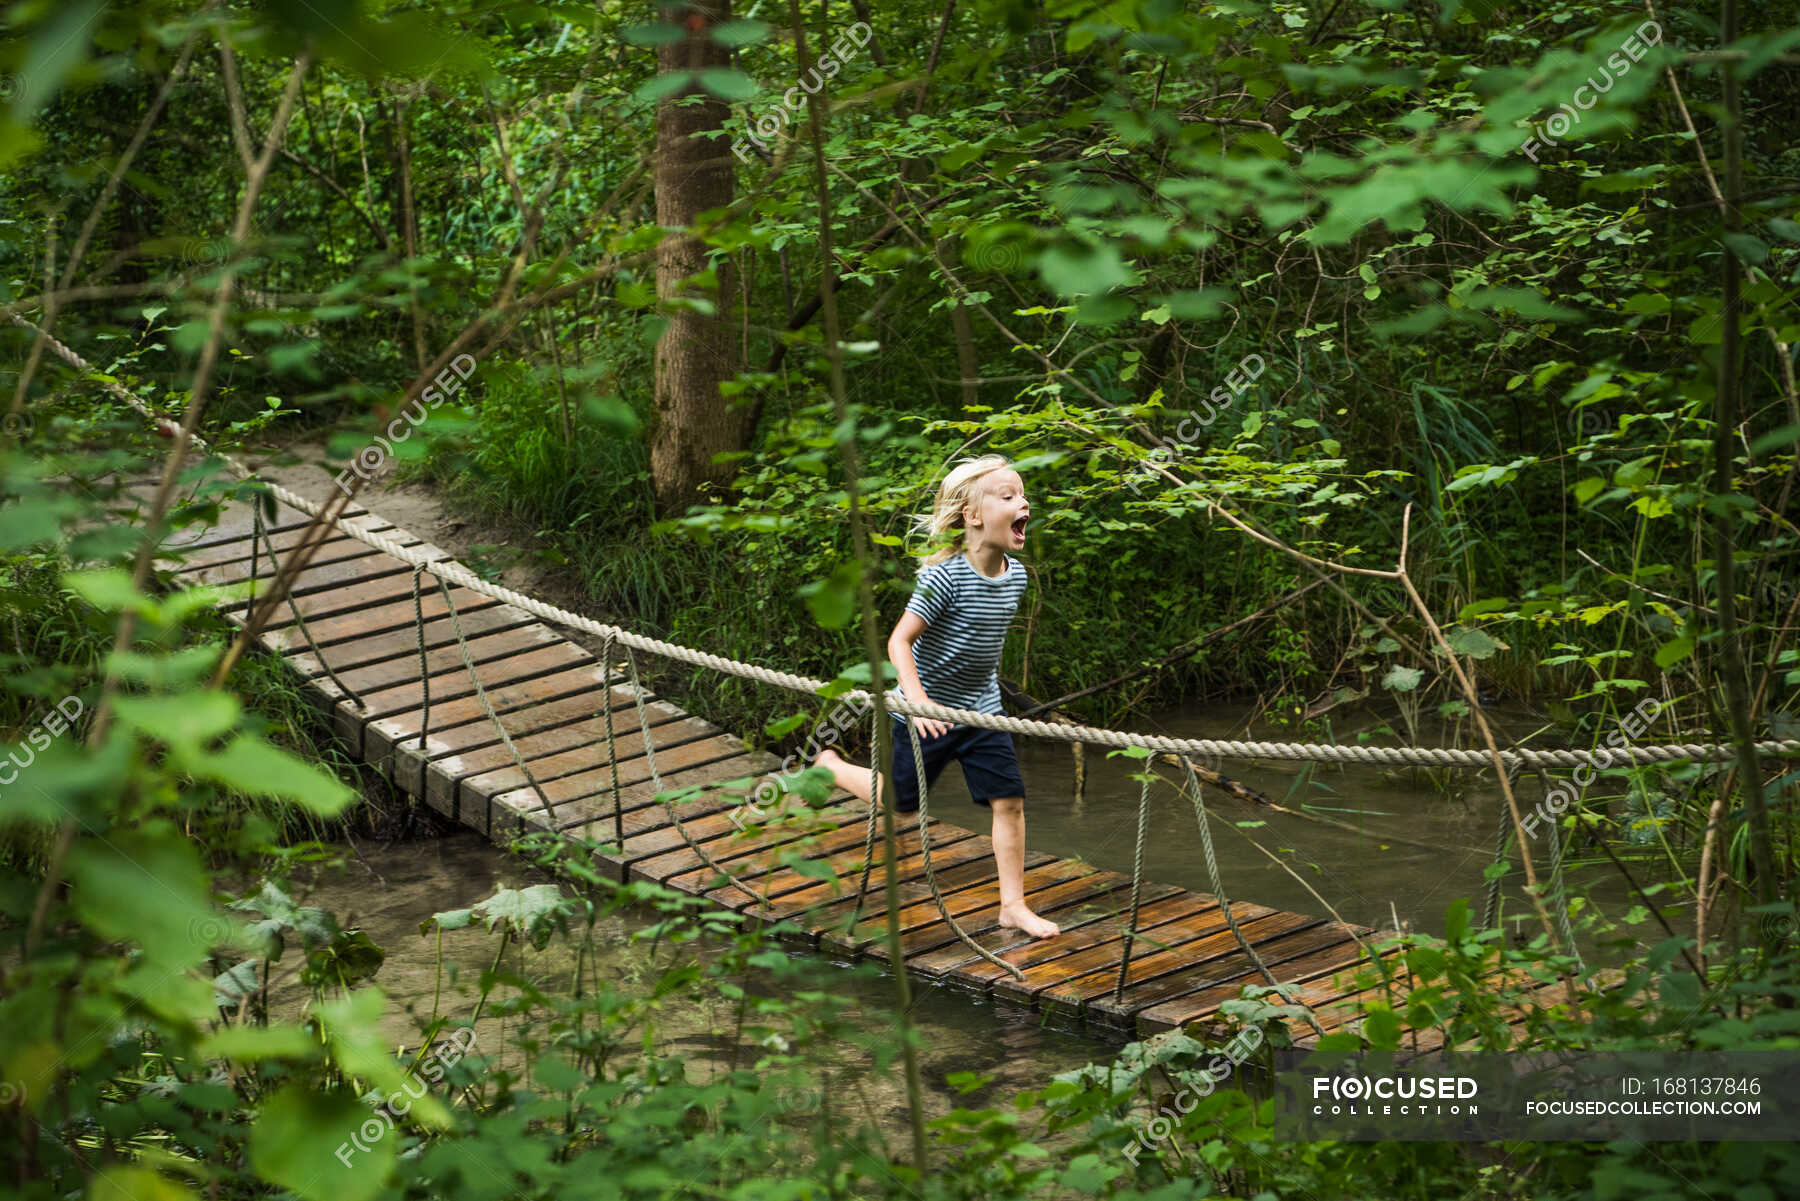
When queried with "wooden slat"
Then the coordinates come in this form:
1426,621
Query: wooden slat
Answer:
1229,971
1204,999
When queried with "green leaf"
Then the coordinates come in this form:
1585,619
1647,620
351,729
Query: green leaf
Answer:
817,869
36,520
662,85
1402,679
1748,248
253,1044
235,983
449,919
110,590
121,1183
352,1026
739,33
1585,490
251,766
182,720
832,599
147,886
525,910
1456,920
727,84
1674,651
786,725
1079,269
310,1144
660,34
177,669
1477,644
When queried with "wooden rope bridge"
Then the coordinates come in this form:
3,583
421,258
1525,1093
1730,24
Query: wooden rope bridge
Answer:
395,666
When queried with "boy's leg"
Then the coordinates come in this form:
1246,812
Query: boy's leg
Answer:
1009,858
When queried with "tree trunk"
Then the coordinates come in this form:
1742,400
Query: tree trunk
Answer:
692,422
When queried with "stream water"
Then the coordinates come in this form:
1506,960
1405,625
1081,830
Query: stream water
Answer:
387,891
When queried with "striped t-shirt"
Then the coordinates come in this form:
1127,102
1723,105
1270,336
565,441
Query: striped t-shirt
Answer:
966,616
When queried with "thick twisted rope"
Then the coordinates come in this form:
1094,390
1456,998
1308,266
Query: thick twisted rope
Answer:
1503,830
1788,748
425,690
637,693
612,750
258,535
1218,887
930,878
1559,899
862,888
462,645
1137,887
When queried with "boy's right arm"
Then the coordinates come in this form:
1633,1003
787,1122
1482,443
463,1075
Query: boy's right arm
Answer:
900,653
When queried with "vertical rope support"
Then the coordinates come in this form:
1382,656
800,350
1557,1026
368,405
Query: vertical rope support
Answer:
1218,887
930,878
637,693
612,750
424,680
862,887
1558,896
256,537
258,533
1490,909
1137,888
462,645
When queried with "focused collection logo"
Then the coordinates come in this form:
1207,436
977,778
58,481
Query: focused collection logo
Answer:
1399,1096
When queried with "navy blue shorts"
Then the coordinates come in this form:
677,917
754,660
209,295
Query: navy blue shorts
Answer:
990,765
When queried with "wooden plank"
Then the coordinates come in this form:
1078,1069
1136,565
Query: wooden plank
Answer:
783,893
715,752
396,619
469,747
967,890
1099,951
721,832
647,830
553,670
1204,1000
571,749
1085,948
372,679
232,559
1065,892
580,810
771,877
383,589
959,966
235,524
371,647
327,579
1227,973
1074,995
721,749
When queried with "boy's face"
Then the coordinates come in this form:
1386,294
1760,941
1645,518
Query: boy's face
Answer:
999,515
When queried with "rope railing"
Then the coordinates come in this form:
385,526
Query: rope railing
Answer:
447,571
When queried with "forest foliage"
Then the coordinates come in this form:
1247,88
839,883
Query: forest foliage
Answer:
1527,269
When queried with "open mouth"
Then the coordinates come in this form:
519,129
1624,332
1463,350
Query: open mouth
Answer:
1018,527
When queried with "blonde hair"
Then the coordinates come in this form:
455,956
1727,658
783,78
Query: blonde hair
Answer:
960,489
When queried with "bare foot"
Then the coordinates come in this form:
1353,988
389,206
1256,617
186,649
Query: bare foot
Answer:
828,758
1020,918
